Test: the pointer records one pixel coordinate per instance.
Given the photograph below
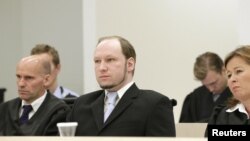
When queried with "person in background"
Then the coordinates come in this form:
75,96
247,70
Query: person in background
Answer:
53,56
35,112
121,108
237,110
198,105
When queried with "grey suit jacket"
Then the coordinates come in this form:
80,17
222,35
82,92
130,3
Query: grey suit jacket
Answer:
138,113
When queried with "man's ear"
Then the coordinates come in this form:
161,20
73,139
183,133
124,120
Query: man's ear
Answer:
46,80
131,64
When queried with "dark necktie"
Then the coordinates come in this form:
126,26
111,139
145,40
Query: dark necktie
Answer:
110,104
25,115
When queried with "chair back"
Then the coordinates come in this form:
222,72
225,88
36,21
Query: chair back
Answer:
2,90
70,101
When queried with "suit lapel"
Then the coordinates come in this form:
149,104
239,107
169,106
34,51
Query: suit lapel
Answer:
123,104
98,110
14,110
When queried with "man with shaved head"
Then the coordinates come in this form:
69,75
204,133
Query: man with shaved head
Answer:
35,112
121,108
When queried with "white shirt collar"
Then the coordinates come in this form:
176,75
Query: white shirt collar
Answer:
37,103
122,91
240,107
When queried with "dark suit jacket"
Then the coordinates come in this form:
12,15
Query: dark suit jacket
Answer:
43,122
198,105
138,113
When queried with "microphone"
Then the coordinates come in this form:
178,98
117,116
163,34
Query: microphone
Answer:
174,102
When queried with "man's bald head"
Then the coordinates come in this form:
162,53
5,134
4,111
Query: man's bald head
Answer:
36,61
33,75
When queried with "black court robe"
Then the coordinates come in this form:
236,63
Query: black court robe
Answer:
221,117
198,105
43,122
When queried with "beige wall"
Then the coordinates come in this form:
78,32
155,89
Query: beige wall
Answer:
10,40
